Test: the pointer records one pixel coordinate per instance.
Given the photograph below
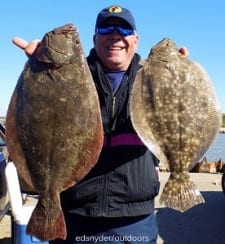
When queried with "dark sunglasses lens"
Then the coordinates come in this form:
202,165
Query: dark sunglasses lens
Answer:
105,31
110,29
124,32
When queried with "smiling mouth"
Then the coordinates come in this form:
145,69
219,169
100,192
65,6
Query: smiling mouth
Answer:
115,48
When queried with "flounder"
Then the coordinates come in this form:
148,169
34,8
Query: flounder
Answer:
54,130
175,111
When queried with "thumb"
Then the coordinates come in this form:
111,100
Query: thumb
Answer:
28,48
19,42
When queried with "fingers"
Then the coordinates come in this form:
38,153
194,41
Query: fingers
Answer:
19,42
28,48
184,51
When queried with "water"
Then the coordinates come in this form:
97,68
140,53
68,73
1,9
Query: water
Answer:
217,150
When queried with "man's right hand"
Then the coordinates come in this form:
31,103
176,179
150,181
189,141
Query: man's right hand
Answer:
28,47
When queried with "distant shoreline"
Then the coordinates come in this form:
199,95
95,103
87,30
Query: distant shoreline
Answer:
222,130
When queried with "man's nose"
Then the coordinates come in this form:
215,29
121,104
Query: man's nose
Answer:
115,34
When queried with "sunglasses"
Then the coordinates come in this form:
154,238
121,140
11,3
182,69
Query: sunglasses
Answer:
109,30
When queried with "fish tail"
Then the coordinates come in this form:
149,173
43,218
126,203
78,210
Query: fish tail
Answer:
47,223
181,194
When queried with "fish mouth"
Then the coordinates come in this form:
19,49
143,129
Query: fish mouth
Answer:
57,46
64,36
65,29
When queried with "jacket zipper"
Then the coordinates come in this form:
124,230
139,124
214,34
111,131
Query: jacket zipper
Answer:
113,107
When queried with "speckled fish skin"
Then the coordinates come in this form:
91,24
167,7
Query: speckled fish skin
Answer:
54,130
175,111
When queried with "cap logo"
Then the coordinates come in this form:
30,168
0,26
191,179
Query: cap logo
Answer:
115,9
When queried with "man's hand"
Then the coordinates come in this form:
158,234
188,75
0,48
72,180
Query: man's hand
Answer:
184,51
28,47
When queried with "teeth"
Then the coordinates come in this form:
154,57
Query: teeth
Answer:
115,48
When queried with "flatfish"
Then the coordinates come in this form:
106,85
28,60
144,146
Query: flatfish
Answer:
175,111
54,130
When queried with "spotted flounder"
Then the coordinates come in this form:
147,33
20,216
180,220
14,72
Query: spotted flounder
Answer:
175,111
54,130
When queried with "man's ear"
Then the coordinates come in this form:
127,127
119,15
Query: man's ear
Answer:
94,39
137,39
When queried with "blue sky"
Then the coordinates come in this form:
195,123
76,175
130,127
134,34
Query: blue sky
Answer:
198,25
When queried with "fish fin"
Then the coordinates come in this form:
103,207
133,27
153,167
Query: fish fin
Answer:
180,195
47,223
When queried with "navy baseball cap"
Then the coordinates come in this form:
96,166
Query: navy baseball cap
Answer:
115,11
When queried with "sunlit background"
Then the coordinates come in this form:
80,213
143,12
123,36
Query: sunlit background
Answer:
198,26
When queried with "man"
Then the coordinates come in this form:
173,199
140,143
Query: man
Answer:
114,203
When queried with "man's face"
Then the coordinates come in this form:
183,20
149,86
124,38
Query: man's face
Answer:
115,50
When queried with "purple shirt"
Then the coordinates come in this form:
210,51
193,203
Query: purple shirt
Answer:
115,79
